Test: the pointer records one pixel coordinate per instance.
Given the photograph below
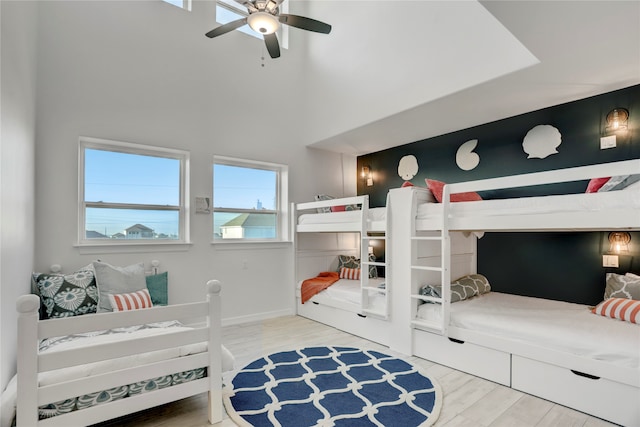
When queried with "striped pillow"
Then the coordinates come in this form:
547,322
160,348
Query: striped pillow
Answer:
619,308
350,273
131,301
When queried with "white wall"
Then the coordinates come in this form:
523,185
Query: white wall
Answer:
17,141
143,72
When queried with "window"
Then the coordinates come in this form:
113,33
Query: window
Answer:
184,4
131,193
249,200
230,10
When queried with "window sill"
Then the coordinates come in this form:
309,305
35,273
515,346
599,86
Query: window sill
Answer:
250,244
122,247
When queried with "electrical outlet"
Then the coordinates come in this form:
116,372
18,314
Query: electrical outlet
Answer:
610,261
607,142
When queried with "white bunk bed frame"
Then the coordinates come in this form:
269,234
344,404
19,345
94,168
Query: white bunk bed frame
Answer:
574,381
365,322
31,330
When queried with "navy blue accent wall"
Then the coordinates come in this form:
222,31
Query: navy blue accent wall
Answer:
563,266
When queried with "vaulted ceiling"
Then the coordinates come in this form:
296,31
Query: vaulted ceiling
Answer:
395,72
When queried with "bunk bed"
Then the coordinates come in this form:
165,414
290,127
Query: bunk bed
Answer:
326,232
555,350
82,370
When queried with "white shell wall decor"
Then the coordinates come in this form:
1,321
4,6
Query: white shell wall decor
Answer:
408,167
541,141
466,159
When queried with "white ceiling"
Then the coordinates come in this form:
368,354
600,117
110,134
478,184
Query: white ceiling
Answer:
433,67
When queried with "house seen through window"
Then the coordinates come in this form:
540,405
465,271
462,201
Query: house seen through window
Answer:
248,200
131,192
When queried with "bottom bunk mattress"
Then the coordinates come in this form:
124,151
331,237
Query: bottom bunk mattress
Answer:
104,396
347,295
556,325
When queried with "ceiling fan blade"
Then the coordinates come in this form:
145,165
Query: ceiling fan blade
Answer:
223,29
271,40
305,23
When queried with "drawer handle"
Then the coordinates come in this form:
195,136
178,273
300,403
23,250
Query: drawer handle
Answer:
316,303
582,374
456,341
362,315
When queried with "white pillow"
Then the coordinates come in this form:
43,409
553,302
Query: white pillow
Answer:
117,280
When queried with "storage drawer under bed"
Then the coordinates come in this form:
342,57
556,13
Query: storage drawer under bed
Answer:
369,327
603,398
477,360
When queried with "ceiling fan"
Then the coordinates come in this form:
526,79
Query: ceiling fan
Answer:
265,18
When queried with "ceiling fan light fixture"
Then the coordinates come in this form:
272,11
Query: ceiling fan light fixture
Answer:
263,22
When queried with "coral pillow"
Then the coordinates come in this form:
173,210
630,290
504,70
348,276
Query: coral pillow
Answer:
338,208
131,301
596,183
619,308
436,189
406,184
350,273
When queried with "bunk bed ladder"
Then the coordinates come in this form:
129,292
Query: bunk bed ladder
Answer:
365,264
444,269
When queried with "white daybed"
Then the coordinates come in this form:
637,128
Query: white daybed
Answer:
575,358
163,361
360,307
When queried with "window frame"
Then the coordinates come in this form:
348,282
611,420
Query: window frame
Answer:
281,211
186,4
183,208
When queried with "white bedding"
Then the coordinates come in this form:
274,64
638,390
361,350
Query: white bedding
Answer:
590,202
551,324
346,293
375,216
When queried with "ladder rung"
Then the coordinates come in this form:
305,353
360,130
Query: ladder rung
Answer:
381,264
375,313
421,267
374,288
426,238
427,298
374,238
423,324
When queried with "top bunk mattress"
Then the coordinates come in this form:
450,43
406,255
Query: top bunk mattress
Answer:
615,209
555,325
376,219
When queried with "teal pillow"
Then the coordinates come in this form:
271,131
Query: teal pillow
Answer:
157,285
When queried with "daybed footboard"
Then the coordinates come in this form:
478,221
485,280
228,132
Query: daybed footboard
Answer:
49,376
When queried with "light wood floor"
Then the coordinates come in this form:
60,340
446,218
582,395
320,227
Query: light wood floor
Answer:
468,401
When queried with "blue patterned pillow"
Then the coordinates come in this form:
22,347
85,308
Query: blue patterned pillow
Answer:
66,295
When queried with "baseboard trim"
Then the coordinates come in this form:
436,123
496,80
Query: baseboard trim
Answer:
230,321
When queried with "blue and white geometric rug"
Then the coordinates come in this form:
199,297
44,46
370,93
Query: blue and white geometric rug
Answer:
332,386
